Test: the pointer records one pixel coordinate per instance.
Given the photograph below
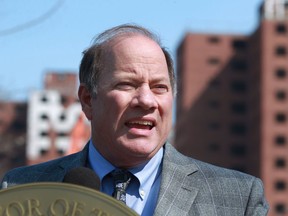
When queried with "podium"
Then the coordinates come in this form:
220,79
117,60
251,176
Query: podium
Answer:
59,199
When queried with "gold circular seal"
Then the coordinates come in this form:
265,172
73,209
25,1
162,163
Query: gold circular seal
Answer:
59,199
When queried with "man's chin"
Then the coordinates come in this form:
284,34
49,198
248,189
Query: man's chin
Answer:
143,150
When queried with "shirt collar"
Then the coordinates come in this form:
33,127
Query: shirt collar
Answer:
146,173
98,163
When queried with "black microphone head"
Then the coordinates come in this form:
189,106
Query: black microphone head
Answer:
83,176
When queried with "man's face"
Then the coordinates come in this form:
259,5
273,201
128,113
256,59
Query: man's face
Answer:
131,115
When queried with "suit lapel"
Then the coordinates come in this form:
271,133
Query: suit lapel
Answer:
176,192
80,159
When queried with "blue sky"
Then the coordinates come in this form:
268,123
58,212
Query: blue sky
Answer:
40,36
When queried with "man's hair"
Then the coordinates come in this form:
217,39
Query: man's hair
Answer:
92,63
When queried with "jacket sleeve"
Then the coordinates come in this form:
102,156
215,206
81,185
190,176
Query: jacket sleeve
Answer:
257,204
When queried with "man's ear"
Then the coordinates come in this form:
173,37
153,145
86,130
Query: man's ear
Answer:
85,99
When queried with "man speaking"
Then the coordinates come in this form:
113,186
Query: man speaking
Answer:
127,87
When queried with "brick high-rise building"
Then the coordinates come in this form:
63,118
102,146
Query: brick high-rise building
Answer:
232,106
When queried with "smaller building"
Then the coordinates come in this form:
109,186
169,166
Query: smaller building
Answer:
56,123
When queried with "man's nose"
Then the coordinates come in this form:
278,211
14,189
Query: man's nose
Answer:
144,98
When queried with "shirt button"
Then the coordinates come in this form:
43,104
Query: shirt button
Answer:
142,193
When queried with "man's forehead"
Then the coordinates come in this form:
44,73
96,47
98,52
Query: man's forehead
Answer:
134,50
137,40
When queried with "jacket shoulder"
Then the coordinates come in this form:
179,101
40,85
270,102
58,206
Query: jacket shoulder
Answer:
206,169
53,170
215,189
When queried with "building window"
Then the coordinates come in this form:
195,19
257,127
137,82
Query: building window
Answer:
239,65
280,117
280,140
280,73
62,117
280,185
44,99
239,44
280,51
43,152
238,107
60,152
238,150
238,86
280,208
280,163
62,134
281,95
214,39
63,100
44,134
238,129
281,28
214,61
44,117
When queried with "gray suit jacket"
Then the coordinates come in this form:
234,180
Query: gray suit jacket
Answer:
188,186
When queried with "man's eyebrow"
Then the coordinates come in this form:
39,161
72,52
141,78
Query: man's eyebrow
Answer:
134,77
160,79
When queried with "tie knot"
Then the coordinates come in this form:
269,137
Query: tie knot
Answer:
121,176
121,180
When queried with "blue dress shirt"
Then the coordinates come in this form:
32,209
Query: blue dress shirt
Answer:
142,192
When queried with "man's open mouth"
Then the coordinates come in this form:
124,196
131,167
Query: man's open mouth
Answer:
140,124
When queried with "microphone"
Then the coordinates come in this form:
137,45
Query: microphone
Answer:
83,176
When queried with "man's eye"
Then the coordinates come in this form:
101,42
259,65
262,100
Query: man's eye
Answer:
160,89
124,86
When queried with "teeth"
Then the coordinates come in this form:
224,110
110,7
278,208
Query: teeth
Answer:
147,123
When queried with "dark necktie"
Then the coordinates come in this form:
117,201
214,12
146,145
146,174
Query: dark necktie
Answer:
121,180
